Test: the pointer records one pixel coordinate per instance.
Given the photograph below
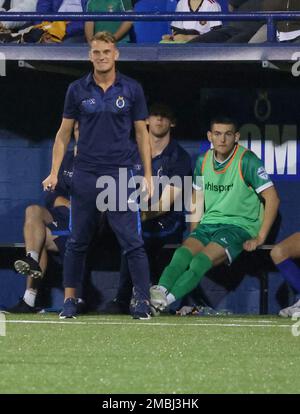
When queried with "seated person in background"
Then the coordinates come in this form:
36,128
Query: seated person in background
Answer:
282,255
74,29
118,29
184,31
17,6
236,31
46,229
287,31
164,225
230,185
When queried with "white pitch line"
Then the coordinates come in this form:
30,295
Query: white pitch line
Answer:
230,325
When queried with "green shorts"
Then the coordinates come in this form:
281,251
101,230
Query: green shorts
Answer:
226,235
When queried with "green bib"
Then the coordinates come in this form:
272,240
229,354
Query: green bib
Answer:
228,199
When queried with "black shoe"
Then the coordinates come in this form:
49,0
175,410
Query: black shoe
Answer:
28,267
69,309
21,307
115,307
142,310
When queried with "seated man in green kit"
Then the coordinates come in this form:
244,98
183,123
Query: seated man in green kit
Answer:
234,206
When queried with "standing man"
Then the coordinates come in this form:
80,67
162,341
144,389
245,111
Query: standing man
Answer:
230,183
107,104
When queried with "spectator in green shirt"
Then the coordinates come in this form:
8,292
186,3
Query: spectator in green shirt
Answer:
118,29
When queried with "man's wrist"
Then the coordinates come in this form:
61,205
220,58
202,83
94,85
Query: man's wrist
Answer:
261,238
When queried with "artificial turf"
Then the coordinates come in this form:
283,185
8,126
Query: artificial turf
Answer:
168,354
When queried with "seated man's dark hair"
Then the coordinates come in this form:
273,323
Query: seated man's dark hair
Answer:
226,119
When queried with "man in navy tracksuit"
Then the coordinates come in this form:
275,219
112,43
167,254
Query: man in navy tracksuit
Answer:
107,104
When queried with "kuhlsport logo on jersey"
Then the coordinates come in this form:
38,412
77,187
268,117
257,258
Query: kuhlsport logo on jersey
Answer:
219,188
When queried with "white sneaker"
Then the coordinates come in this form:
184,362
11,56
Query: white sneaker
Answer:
158,298
290,310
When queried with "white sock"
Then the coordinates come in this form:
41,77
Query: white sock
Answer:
34,255
163,289
29,297
170,298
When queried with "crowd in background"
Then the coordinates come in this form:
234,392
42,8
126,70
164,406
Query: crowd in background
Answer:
130,32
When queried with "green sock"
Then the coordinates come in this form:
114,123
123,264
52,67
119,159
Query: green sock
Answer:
179,263
190,279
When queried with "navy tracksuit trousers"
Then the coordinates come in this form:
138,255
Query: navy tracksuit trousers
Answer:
125,224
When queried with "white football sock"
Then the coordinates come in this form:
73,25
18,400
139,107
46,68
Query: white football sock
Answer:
163,289
170,298
34,255
30,296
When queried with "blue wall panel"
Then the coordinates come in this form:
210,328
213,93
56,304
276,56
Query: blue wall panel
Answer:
12,287
23,165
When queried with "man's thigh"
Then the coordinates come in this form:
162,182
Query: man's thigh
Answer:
231,238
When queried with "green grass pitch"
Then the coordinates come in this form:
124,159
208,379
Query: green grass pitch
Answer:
168,354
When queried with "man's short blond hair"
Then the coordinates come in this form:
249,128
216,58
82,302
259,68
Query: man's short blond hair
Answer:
106,37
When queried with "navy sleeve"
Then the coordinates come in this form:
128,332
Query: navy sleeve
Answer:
70,107
183,165
139,111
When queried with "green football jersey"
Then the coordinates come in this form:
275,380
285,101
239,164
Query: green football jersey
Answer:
231,189
106,6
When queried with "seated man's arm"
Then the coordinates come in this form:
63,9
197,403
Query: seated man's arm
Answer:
272,201
255,176
169,196
196,209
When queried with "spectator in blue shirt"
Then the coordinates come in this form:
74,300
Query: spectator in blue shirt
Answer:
107,105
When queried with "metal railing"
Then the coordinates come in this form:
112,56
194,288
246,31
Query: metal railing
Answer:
269,18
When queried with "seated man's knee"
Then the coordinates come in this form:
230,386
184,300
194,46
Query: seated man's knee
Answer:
278,253
195,265
200,264
33,211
